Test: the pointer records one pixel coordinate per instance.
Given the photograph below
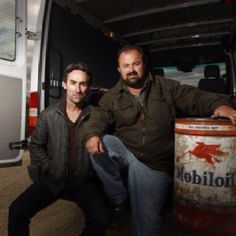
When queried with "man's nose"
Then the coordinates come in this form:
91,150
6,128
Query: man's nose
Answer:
78,89
132,68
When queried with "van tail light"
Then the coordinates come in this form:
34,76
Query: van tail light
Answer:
33,111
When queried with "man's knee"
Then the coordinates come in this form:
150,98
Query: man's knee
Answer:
109,140
112,145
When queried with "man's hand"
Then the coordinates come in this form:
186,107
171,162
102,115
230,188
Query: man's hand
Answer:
225,111
94,145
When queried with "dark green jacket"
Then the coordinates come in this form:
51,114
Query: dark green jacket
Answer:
148,130
49,148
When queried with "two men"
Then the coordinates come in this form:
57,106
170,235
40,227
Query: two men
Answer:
143,110
60,167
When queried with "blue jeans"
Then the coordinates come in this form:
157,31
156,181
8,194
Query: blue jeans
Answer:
147,188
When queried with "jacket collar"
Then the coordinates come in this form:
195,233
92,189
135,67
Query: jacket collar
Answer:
61,108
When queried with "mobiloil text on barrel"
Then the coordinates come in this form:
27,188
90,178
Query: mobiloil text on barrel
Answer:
205,176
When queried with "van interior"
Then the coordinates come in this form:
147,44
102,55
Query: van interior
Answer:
188,40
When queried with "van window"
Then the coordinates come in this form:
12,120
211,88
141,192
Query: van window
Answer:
7,29
193,77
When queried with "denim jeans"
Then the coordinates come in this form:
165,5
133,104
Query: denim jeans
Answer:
147,188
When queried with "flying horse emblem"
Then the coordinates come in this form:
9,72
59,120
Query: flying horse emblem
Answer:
211,153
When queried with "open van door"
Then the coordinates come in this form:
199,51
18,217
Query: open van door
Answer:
12,79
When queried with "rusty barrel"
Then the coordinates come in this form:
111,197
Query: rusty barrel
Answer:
205,176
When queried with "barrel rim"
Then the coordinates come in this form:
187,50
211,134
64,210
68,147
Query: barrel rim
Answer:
204,127
195,132
221,121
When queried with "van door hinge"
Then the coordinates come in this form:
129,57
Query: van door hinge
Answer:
33,35
19,144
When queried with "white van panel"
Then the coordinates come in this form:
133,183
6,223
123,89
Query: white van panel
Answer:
13,82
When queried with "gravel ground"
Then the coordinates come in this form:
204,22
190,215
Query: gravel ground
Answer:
60,219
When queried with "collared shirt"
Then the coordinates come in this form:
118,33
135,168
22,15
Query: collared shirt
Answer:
141,97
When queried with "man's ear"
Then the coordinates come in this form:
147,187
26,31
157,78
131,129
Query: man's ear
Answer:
118,68
64,85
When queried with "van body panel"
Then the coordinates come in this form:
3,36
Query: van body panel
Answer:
13,80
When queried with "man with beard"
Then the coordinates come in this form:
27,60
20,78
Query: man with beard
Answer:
143,109
60,167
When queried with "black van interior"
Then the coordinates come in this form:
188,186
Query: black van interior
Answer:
176,33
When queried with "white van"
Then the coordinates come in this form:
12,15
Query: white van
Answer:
174,33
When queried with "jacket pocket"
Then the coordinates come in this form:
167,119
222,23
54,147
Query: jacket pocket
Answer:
125,114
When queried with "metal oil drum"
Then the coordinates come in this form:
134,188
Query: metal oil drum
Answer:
205,176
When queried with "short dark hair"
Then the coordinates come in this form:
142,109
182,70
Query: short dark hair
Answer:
127,48
78,66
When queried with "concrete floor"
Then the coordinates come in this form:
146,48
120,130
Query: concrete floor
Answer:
63,218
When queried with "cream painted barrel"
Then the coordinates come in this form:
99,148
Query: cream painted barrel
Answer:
205,176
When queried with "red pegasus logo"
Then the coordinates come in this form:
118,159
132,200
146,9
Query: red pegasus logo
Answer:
208,152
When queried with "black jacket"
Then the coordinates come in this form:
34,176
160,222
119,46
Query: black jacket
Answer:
49,148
